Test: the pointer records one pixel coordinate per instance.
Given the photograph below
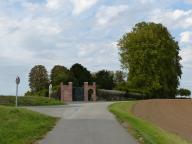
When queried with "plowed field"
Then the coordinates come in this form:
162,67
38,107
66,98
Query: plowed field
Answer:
172,115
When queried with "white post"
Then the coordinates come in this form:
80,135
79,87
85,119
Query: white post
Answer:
50,91
17,85
16,102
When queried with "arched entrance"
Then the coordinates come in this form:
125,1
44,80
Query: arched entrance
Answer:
90,95
91,88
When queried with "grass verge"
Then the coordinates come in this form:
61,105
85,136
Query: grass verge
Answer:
29,101
21,126
144,131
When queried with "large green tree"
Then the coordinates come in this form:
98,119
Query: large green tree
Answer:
79,75
151,56
38,78
59,74
104,79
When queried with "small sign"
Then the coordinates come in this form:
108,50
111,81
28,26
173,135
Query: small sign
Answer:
17,80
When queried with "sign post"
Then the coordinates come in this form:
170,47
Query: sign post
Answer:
17,85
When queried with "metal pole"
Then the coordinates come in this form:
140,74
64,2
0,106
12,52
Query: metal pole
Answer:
16,102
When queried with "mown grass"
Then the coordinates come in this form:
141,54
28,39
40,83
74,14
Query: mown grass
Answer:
29,101
144,131
21,126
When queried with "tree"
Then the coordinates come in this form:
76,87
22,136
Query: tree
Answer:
119,77
151,56
104,79
184,92
59,74
79,75
38,78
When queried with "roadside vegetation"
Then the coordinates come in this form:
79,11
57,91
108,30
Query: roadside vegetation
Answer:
21,126
29,101
144,131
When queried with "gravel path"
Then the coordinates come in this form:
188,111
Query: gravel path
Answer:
84,123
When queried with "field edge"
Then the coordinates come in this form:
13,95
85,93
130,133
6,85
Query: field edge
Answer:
144,131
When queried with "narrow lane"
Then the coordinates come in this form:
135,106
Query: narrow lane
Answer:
85,123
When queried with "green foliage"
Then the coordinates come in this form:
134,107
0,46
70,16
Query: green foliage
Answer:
184,92
38,78
59,74
146,132
28,101
115,95
151,56
79,75
104,79
119,77
122,86
21,126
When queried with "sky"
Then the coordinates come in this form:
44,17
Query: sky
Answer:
64,32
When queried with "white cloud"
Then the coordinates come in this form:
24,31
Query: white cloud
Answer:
186,37
33,7
100,55
186,54
173,18
107,14
82,5
146,1
54,4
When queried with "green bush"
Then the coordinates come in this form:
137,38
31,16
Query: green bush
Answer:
28,101
183,92
41,93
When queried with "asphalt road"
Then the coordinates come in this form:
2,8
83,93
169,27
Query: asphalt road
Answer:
84,123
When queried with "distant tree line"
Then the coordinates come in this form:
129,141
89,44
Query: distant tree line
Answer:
150,56
39,79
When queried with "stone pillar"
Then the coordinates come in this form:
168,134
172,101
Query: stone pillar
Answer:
86,88
94,96
62,92
66,92
70,92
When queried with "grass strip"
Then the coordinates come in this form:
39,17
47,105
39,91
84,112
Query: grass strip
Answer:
146,132
21,126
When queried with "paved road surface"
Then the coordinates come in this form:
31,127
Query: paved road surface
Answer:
84,123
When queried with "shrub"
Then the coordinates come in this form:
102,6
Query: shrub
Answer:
183,92
114,95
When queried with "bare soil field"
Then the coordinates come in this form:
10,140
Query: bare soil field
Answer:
172,115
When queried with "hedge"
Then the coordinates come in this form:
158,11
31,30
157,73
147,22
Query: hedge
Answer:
114,95
28,101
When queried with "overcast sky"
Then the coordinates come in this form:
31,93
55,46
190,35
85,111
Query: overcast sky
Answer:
65,32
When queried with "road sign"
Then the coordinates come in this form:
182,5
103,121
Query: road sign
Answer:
17,80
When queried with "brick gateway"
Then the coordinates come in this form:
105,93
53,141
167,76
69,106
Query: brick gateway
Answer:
67,92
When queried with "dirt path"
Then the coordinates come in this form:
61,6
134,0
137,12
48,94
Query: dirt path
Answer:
172,115
85,123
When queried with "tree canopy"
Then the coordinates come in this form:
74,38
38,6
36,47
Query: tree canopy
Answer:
104,79
151,56
38,78
59,74
79,75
